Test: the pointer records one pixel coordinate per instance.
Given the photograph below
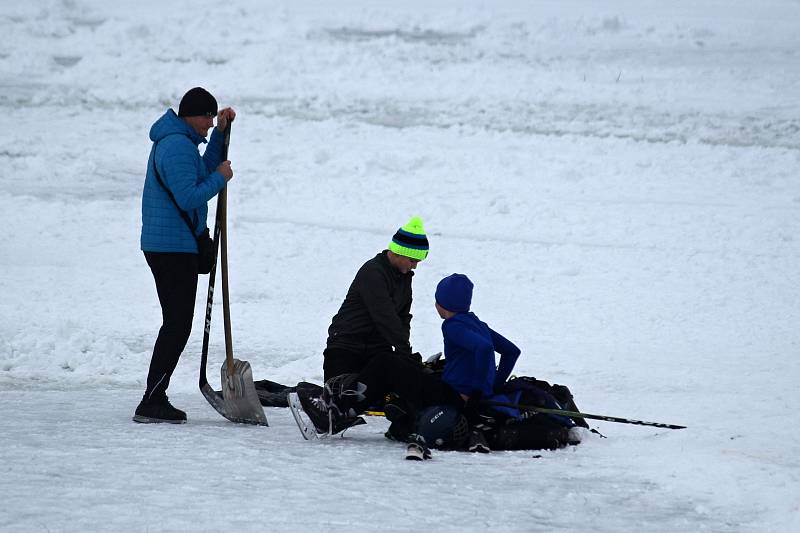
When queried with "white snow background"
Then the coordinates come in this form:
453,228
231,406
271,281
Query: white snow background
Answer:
620,179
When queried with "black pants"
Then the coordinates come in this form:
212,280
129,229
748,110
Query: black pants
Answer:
337,361
390,373
176,283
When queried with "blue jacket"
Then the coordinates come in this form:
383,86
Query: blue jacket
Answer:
469,347
191,178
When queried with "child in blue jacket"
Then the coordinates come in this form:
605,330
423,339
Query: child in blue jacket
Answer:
470,345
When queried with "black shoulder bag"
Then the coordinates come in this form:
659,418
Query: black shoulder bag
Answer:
205,245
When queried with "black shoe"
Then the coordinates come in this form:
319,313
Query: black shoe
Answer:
477,442
325,414
331,409
158,410
315,409
417,449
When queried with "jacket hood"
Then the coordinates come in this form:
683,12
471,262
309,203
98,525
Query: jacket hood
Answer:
170,124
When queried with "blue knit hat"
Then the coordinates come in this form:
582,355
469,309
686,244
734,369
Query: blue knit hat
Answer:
454,293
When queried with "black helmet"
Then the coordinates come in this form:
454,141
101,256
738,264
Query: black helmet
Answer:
442,426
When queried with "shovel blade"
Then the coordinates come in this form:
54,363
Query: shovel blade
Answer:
239,396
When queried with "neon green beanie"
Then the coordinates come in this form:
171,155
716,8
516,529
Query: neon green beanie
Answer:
410,240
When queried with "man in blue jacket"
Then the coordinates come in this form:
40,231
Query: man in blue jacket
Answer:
178,179
469,374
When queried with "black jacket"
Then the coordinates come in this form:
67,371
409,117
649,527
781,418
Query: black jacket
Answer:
376,313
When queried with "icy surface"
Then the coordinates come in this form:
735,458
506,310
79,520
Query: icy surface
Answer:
621,180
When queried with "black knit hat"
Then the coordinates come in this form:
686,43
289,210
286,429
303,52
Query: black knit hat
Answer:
197,102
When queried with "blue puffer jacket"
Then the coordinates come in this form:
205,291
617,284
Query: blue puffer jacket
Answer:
191,178
469,348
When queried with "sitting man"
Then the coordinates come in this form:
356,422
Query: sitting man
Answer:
375,318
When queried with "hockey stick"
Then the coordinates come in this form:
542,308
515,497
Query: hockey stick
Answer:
209,393
576,414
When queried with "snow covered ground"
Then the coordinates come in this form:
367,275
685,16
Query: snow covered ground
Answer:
620,179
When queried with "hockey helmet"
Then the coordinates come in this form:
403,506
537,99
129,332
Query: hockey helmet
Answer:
442,426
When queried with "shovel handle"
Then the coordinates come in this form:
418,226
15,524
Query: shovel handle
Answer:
222,204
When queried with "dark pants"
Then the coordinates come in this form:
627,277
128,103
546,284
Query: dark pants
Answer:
337,361
390,373
176,283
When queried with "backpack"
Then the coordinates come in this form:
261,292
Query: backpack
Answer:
531,430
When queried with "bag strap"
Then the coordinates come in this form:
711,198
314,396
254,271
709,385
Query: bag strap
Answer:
184,214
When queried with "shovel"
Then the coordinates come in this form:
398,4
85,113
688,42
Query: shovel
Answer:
238,401
238,388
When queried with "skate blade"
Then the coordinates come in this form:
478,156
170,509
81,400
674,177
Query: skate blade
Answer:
305,426
149,420
239,396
